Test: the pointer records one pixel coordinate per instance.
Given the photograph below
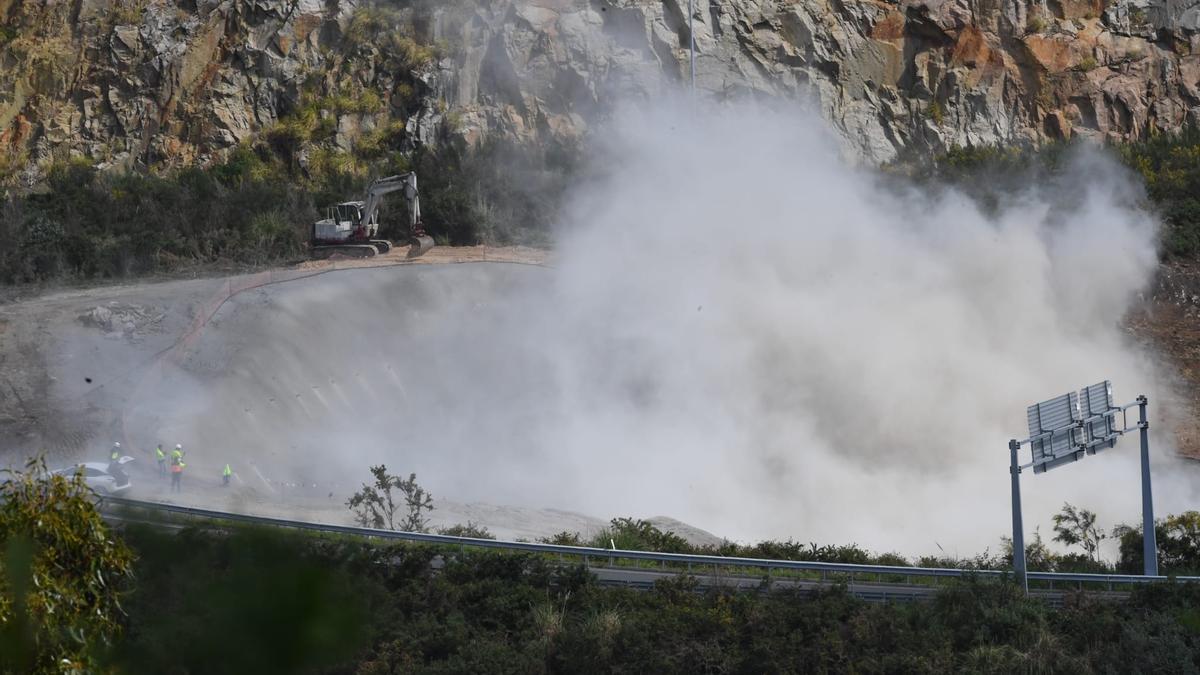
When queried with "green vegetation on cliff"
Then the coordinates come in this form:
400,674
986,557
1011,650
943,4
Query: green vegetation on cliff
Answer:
1168,165
257,208
349,121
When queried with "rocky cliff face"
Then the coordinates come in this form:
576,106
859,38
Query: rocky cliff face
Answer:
136,82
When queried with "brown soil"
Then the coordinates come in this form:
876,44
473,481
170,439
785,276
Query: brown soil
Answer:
439,255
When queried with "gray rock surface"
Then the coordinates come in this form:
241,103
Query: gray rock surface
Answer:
173,83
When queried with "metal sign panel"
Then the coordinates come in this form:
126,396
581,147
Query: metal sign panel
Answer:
1100,417
1055,434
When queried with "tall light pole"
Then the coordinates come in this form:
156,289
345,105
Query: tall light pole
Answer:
1018,537
1149,544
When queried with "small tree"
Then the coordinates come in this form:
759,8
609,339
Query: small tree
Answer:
1038,556
1180,544
1074,526
1178,539
631,534
375,506
61,573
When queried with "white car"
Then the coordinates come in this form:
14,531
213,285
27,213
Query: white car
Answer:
102,477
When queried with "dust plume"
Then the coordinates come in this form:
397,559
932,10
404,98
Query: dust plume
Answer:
806,351
741,330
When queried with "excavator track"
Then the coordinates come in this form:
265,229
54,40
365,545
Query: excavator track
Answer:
382,245
347,250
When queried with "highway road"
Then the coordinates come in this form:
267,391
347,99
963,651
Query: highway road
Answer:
870,591
642,579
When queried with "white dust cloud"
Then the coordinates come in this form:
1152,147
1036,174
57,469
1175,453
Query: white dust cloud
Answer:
763,339
741,331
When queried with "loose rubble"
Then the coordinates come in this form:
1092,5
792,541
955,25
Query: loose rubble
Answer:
119,319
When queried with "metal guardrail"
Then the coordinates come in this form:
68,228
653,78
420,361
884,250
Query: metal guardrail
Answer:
587,552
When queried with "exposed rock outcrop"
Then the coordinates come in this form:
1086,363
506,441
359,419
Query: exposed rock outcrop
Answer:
181,82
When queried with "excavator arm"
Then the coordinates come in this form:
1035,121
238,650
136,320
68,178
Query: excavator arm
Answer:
419,242
384,186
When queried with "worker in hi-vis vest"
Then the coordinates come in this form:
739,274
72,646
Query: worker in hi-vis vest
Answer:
177,472
161,457
115,454
225,476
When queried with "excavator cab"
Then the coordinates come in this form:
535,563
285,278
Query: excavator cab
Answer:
346,212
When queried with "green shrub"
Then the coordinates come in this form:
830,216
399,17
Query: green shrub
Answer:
125,12
62,574
42,245
469,530
381,141
1178,540
11,164
242,164
1170,166
115,225
272,234
290,134
628,534
243,600
935,112
563,539
250,602
368,101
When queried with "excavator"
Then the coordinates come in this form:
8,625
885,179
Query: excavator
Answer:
351,228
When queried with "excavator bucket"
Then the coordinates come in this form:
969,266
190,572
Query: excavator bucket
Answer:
419,245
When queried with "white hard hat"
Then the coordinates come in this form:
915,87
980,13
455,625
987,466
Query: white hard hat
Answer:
178,446
116,445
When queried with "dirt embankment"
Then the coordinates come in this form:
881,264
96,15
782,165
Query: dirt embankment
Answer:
70,358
